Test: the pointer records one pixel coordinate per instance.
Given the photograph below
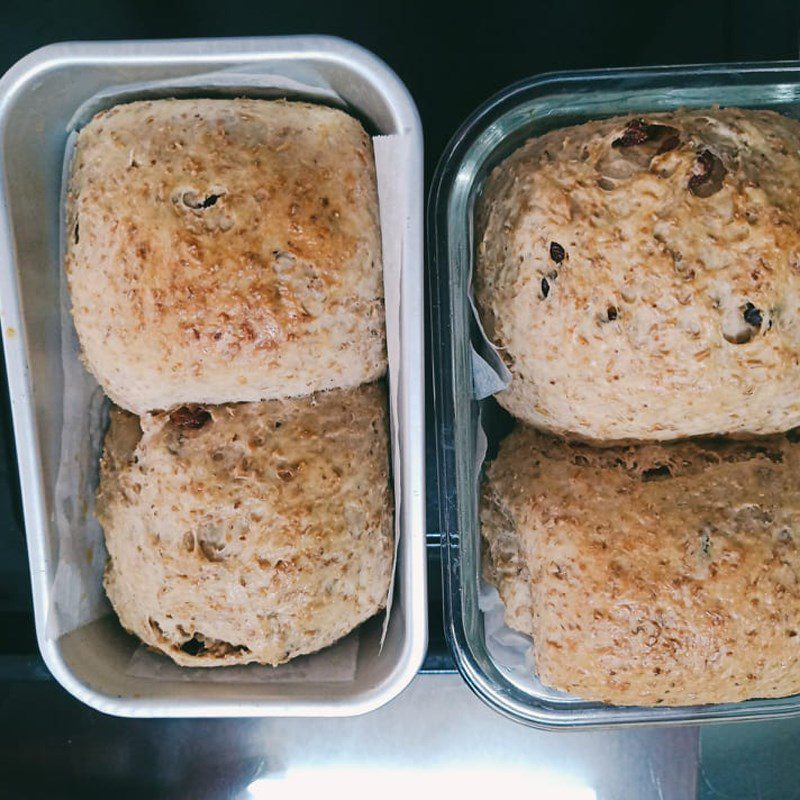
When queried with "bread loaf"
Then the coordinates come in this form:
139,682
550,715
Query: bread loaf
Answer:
251,532
657,575
224,250
641,275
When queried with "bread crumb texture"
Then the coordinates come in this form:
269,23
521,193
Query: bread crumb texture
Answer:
251,532
225,250
659,575
641,275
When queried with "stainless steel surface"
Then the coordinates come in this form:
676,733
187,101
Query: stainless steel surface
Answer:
37,98
55,747
435,740
523,110
462,748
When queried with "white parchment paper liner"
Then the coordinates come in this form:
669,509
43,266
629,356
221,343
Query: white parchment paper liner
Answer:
510,650
77,596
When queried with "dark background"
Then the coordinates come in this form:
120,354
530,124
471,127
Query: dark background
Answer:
452,56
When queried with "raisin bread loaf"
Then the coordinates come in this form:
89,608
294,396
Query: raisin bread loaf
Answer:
641,275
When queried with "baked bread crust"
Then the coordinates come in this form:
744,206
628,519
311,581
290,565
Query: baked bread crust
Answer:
641,275
252,532
664,574
225,250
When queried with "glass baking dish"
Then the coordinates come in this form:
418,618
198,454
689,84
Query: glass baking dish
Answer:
523,110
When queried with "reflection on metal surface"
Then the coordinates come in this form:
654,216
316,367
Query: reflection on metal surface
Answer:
436,733
389,784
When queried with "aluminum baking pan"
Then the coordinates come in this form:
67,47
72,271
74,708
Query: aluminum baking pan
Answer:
38,96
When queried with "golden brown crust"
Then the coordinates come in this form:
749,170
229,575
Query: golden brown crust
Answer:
225,250
252,532
664,574
643,278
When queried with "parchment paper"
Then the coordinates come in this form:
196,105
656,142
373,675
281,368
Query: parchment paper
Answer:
510,650
77,596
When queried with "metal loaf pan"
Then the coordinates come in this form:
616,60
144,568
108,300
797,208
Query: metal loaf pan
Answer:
38,96
527,109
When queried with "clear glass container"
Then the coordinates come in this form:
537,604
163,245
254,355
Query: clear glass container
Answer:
490,134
